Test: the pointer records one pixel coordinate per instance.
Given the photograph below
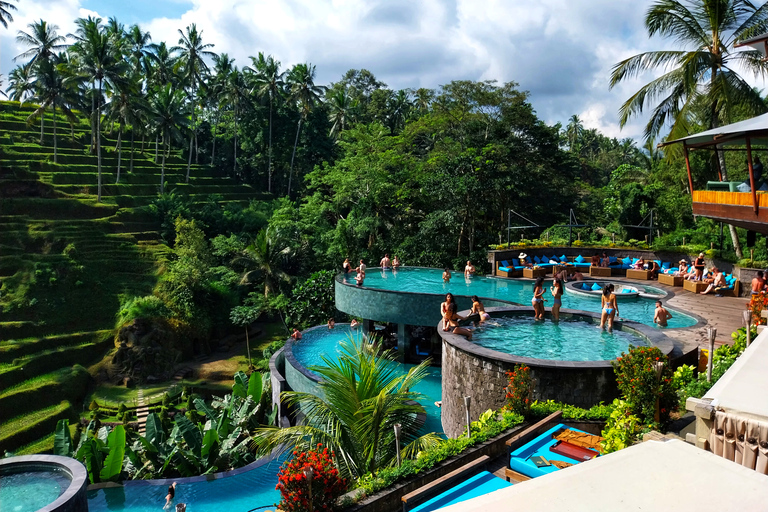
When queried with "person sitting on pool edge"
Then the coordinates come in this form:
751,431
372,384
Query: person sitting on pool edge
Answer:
661,315
453,323
479,309
296,334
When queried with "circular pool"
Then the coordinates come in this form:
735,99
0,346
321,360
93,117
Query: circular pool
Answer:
570,361
412,296
42,483
320,342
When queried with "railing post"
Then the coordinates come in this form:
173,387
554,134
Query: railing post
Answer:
751,175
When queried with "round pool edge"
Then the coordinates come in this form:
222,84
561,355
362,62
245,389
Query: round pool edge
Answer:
74,498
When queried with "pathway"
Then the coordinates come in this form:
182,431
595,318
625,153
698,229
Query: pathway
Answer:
142,412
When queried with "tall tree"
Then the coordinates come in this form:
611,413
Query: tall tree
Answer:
5,12
20,83
215,87
50,91
270,83
169,118
42,42
701,69
192,52
305,94
574,132
124,109
343,110
265,260
236,95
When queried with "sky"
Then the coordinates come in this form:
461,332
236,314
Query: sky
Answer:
560,51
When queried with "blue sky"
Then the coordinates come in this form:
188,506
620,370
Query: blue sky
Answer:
561,51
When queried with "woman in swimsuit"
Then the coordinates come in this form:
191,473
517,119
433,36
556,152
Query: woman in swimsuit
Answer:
453,323
346,266
557,292
479,309
446,309
395,262
538,300
606,261
169,497
699,266
609,307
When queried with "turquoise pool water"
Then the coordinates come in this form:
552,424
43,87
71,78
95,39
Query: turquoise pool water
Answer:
239,493
428,280
31,490
571,340
321,342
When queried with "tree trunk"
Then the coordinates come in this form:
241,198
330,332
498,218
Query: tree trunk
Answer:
157,137
189,161
215,127
234,164
119,151
162,169
724,172
93,114
197,150
130,166
293,155
269,168
55,145
98,143
42,124
142,143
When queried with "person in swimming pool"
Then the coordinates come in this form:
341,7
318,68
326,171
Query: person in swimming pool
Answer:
346,266
396,263
385,262
445,310
557,292
609,307
469,270
479,309
169,497
538,299
661,315
446,275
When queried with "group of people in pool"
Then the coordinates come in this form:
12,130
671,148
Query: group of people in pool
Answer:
451,318
386,264
469,271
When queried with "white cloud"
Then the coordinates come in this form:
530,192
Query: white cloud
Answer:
561,51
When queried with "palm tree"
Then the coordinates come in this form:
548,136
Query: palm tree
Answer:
399,109
5,12
305,94
700,70
42,42
123,108
343,110
265,259
1,86
221,70
139,42
162,66
50,91
574,132
234,94
20,83
192,52
99,61
359,400
168,117
269,82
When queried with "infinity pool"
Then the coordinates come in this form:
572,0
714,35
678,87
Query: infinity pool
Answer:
429,280
570,340
31,490
318,343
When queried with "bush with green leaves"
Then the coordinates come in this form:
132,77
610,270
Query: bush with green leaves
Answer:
622,429
644,379
599,412
312,301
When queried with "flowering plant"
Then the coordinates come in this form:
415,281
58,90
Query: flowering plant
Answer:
325,487
645,382
519,390
756,305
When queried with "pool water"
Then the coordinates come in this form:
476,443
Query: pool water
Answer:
429,280
570,340
254,489
319,343
31,490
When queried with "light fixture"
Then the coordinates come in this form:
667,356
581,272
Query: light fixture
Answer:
397,428
467,403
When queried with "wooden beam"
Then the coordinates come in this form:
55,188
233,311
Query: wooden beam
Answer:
751,176
688,167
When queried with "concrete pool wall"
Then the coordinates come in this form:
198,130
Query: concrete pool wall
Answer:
471,370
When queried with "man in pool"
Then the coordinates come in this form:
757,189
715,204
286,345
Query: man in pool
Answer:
446,275
385,262
469,270
758,283
361,268
661,315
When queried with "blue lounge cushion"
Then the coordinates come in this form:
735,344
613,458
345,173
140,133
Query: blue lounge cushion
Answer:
504,269
612,260
515,262
563,259
585,286
544,258
596,287
665,265
627,261
536,259
579,259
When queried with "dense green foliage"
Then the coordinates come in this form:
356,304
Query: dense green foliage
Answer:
644,379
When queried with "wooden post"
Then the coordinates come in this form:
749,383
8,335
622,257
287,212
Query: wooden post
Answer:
688,168
751,176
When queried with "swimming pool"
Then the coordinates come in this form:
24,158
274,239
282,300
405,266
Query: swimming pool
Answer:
241,492
322,342
571,339
429,281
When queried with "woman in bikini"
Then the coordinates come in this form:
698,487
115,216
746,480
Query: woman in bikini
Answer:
479,309
557,292
446,308
453,323
538,299
346,266
609,307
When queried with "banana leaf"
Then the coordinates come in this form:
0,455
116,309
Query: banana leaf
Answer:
91,455
255,386
204,408
240,386
210,440
154,430
191,434
113,465
62,441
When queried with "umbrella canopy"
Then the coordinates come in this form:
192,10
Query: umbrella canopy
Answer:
756,129
759,43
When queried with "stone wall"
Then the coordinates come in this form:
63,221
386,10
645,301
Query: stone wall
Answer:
484,379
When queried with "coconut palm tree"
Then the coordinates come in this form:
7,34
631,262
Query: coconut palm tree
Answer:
359,400
99,61
343,111
124,109
162,65
399,106
168,116
42,41
1,86
192,51
215,87
236,95
20,83
265,259
5,12
139,48
269,82
574,131
701,68
50,91
305,94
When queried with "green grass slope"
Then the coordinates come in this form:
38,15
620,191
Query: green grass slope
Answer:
65,259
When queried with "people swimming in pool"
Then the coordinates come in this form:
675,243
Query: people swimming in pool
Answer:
385,262
609,307
354,323
479,309
557,293
469,270
360,278
661,315
169,497
446,275
346,266
395,263
538,299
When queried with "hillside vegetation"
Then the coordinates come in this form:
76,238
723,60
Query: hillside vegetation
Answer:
66,260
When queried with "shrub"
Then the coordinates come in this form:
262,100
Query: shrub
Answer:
299,495
622,428
645,382
519,390
599,412
757,304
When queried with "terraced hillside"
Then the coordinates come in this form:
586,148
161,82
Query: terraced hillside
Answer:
65,260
